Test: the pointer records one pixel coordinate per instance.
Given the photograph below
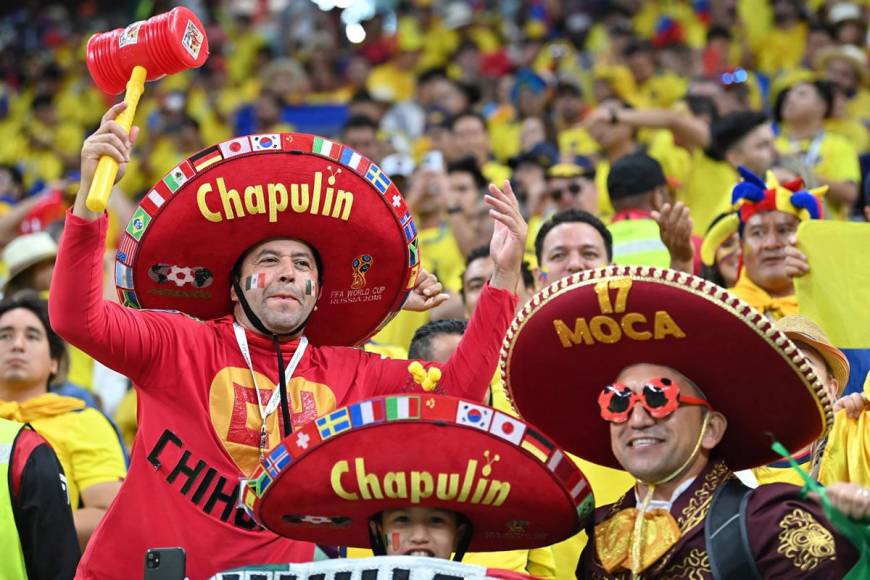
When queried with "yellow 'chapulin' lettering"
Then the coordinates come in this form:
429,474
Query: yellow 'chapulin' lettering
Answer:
273,199
338,469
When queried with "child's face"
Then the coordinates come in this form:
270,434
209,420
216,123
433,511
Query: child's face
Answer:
418,531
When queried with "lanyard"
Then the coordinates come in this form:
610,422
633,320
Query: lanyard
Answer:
275,399
812,155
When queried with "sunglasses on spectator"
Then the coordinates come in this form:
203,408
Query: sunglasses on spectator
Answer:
574,189
660,398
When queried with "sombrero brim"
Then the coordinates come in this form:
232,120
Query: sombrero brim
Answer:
191,228
565,346
323,483
833,356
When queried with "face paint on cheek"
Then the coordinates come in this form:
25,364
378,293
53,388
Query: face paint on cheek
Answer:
255,281
309,288
396,542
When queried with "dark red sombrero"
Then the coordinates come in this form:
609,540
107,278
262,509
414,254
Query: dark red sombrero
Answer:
324,482
192,226
575,336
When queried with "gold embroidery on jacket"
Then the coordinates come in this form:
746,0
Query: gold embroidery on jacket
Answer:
694,566
696,510
804,541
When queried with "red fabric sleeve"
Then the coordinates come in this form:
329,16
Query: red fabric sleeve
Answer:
125,340
469,371
25,443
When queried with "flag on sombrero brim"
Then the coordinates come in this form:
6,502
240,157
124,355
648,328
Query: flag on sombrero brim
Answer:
835,294
429,451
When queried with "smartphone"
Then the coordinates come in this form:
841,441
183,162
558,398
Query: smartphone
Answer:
433,161
165,564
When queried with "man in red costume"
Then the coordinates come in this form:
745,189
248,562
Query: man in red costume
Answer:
210,390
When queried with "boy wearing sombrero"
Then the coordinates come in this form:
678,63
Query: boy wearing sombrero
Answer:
281,246
420,476
628,371
832,368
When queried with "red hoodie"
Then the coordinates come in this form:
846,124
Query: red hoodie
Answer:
198,416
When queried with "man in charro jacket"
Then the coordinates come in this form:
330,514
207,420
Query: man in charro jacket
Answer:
690,385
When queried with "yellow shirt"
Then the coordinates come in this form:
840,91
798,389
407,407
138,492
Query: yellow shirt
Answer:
83,439
81,368
535,223
386,350
847,454
768,474
505,139
707,190
853,129
400,330
577,141
125,418
858,107
440,255
676,160
390,83
605,208
779,49
495,172
662,91
833,157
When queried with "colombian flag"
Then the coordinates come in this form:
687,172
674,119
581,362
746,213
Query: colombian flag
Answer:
836,292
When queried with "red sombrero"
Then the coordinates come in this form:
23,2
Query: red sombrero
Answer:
192,226
324,482
576,335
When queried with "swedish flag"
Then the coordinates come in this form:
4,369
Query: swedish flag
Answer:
378,178
334,423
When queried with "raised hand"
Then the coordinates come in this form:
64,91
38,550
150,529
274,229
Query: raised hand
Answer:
675,227
796,264
110,139
508,237
426,294
854,404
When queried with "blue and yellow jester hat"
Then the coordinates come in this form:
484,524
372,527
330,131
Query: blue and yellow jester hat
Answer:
752,196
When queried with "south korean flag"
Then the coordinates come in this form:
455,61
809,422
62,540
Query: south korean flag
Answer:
271,142
474,415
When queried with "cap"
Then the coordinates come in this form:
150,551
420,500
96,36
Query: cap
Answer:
634,175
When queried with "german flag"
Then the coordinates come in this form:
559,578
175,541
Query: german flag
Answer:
537,445
206,158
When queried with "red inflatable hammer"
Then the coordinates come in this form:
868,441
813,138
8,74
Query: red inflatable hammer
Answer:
147,50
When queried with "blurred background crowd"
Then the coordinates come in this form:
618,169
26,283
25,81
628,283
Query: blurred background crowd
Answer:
447,97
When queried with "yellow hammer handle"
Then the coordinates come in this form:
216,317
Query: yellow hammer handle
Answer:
107,168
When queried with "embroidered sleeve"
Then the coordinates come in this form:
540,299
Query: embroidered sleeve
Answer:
804,541
791,537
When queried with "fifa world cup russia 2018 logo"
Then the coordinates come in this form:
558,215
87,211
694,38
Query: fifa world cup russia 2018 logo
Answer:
361,265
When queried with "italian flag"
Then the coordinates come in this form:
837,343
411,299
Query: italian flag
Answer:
403,408
255,281
325,147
